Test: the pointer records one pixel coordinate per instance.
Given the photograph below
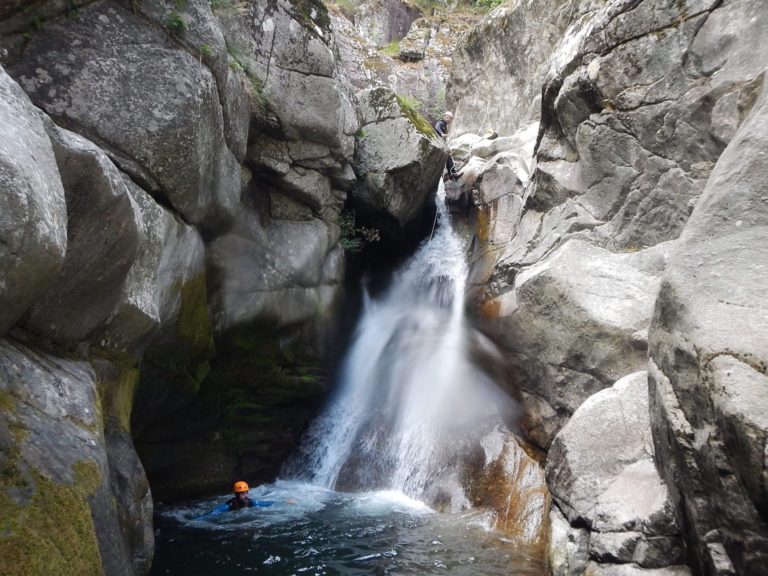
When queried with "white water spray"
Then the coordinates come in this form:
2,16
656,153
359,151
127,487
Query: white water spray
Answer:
407,387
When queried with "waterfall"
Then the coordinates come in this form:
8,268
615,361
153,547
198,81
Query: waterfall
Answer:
408,394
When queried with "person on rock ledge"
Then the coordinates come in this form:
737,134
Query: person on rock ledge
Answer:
441,127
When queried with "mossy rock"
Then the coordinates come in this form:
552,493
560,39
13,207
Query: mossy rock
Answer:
183,358
421,123
51,532
263,386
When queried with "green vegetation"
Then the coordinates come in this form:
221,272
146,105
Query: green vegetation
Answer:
314,14
205,51
238,62
392,49
175,23
408,106
488,5
52,531
7,402
353,238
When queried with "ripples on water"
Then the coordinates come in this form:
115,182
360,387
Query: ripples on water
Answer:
327,533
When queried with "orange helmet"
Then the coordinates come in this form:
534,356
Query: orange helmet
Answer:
241,487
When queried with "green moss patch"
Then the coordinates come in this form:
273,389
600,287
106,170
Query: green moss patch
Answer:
265,390
421,123
52,532
183,363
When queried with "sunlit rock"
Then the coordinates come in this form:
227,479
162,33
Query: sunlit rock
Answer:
154,107
601,472
103,231
161,284
33,221
709,350
599,301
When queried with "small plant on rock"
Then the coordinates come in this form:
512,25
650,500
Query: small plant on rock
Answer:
352,237
175,23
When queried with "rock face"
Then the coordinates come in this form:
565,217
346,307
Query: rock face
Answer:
62,501
114,89
500,67
612,505
382,21
33,225
419,68
650,111
396,179
709,350
170,195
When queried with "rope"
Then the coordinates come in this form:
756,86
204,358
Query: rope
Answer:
433,223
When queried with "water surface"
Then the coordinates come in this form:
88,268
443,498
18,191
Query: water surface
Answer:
327,533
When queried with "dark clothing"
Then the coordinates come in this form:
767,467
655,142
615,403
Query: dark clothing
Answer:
442,130
235,503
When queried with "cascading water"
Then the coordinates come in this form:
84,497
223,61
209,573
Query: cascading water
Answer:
415,413
409,396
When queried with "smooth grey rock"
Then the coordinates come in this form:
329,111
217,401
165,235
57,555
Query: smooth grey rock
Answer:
105,74
33,214
583,290
400,155
382,21
600,468
284,271
170,255
708,345
568,547
103,234
595,569
501,64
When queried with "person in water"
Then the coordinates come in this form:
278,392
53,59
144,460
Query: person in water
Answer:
241,498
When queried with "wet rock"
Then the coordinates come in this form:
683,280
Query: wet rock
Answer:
595,569
512,486
399,154
33,221
103,240
708,344
105,74
568,546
